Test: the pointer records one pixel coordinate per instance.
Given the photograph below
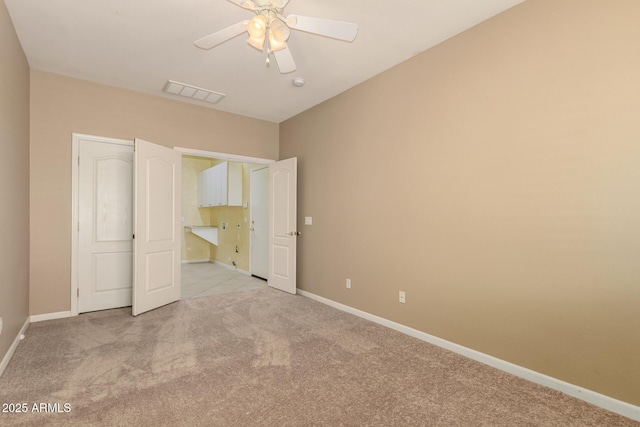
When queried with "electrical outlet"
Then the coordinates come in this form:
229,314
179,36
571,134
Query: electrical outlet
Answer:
348,283
402,297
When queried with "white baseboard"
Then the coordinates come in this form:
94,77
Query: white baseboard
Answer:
195,261
7,357
231,267
606,402
50,316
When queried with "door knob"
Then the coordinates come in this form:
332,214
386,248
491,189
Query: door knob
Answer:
294,233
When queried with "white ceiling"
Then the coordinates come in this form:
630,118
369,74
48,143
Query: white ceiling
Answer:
140,44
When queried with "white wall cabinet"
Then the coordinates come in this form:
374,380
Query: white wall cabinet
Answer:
220,185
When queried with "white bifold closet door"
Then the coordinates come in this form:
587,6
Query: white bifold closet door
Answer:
105,224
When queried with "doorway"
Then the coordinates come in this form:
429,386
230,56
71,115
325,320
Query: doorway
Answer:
218,240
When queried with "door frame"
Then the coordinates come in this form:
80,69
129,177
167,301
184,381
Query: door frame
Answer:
251,238
75,150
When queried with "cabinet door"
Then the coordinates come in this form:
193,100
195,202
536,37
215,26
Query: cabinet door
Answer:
234,184
211,187
214,186
202,189
220,184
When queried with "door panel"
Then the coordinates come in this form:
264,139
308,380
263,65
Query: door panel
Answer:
157,224
281,261
159,271
283,225
113,196
159,199
112,271
105,212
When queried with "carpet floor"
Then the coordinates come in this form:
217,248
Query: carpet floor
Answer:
263,358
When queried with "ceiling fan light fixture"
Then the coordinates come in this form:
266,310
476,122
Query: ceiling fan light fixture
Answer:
257,42
274,44
257,27
279,30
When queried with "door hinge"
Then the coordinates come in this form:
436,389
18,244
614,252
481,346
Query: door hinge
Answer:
78,160
78,292
134,236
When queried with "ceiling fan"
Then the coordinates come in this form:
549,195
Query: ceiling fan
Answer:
269,30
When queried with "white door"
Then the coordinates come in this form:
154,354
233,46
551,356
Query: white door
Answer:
259,229
157,188
105,214
283,224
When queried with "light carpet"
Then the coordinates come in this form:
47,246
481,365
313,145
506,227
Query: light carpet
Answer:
264,358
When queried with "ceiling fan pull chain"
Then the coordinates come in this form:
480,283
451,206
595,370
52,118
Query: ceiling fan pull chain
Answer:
268,46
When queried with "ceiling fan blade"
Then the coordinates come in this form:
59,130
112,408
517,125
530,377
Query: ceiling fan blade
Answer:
213,40
245,4
346,31
285,61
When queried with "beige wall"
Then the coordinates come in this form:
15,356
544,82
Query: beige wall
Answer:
61,106
14,184
496,179
194,248
225,251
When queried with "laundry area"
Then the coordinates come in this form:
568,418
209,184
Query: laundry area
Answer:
224,218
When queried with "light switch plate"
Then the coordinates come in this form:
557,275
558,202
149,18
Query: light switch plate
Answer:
308,220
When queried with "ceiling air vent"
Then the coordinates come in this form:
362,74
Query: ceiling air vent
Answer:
188,91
